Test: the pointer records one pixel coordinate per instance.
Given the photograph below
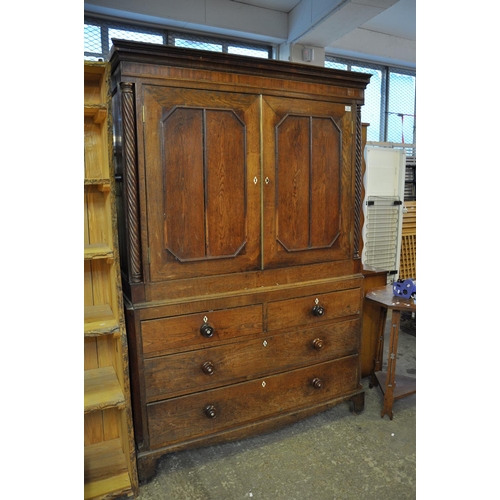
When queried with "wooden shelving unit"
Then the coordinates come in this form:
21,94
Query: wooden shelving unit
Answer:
110,464
408,260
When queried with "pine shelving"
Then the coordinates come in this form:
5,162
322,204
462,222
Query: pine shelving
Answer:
109,458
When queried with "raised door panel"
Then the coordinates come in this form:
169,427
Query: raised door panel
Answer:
308,181
202,165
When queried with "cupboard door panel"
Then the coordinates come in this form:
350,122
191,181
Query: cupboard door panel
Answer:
202,156
184,197
308,196
293,137
325,173
225,145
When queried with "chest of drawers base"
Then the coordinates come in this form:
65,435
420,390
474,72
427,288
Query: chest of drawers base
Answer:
147,460
214,370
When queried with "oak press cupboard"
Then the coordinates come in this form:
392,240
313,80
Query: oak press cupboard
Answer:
239,184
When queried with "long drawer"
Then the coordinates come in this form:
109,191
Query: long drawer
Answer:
313,309
176,374
196,330
204,413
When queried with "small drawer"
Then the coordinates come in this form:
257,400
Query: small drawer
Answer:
313,309
179,332
205,413
177,374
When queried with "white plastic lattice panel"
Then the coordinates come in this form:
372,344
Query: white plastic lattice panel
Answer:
384,184
381,233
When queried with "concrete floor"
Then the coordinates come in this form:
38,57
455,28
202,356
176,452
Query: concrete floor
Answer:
334,455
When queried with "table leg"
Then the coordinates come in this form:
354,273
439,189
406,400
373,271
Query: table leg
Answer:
391,364
377,362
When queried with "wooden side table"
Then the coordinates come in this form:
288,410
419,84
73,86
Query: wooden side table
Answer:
393,386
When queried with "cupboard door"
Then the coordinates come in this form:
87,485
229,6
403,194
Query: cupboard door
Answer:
308,181
202,174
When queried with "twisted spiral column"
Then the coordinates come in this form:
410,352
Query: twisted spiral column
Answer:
130,184
358,185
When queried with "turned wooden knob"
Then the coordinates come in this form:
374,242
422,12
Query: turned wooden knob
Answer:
210,411
318,344
208,368
207,331
317,383
318,310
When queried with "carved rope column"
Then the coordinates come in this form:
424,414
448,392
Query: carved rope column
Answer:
358,185
130,184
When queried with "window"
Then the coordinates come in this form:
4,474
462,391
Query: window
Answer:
389,97
183,42
401,107
133,35
98,37
389,100
99,33
218,45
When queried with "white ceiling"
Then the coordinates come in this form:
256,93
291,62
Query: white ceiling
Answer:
374,30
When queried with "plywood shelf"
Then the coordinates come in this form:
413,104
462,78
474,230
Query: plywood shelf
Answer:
100,320
102,390
98,251
105,471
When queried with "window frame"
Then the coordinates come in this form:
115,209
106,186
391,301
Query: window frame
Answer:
384,89
168,36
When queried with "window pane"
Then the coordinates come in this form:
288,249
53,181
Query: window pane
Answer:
92,38
370,111
401,109
335,65
136,36
192,44
264,54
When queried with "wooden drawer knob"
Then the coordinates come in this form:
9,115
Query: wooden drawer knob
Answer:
317,383
208,368
207,331
318,310
318,344
210,411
